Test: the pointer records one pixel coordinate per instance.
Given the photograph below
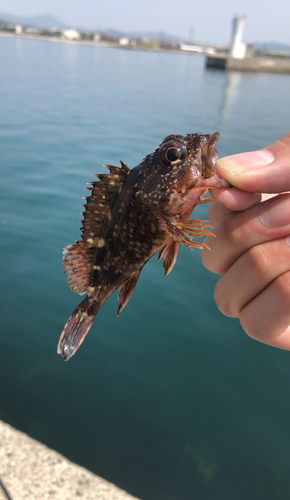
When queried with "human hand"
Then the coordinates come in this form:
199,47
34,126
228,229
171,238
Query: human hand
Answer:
252,247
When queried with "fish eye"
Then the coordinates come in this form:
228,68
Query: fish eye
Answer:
172,152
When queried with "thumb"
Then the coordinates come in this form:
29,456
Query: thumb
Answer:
264,171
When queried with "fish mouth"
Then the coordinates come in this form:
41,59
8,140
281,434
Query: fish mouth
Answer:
209,155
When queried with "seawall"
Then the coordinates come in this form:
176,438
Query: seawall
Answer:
253,64
31,471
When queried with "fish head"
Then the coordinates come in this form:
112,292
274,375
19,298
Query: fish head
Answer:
179,171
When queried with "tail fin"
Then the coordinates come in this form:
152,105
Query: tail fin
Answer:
77,327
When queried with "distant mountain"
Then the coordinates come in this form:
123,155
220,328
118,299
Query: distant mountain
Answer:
44,21
280,47
47,21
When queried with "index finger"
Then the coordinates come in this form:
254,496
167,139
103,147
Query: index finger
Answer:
233,199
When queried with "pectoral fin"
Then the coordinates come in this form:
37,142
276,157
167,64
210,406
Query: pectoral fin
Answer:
202,199
182,232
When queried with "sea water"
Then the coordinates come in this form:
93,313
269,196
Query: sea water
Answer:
171,400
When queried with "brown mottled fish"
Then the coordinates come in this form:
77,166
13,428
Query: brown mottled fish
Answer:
129,217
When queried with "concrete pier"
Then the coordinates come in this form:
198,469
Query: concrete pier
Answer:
254,64
31,471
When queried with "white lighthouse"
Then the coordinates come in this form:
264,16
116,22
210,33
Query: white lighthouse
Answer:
237,47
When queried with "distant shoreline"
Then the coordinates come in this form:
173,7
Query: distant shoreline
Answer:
57,39
97,44
219,61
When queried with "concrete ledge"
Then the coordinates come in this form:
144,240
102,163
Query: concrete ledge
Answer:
254,64
31,471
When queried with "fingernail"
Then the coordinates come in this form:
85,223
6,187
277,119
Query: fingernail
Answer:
276,212
247,161
287,239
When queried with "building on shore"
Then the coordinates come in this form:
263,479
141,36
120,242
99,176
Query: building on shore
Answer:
72,34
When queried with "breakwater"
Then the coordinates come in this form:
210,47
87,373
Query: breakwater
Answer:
254,64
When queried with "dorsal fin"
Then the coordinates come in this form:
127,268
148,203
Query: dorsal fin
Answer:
98,203
78,259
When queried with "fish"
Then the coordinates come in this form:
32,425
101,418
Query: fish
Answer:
130,216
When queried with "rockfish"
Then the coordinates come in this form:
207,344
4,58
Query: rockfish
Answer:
131,215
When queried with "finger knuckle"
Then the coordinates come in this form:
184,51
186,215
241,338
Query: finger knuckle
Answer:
216,212
232,231
282,284
252,327
258,260
224,300
207,257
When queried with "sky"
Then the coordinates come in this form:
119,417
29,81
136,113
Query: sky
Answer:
209,21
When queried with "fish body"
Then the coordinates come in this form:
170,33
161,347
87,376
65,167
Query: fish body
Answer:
129,217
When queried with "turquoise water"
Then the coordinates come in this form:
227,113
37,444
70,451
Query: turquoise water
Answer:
171,400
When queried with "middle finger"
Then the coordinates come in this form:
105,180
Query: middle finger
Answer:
251,274
239,231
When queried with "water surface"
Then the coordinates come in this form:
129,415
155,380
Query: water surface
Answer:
171,400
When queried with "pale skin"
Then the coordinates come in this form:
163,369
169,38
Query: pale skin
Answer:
252,246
